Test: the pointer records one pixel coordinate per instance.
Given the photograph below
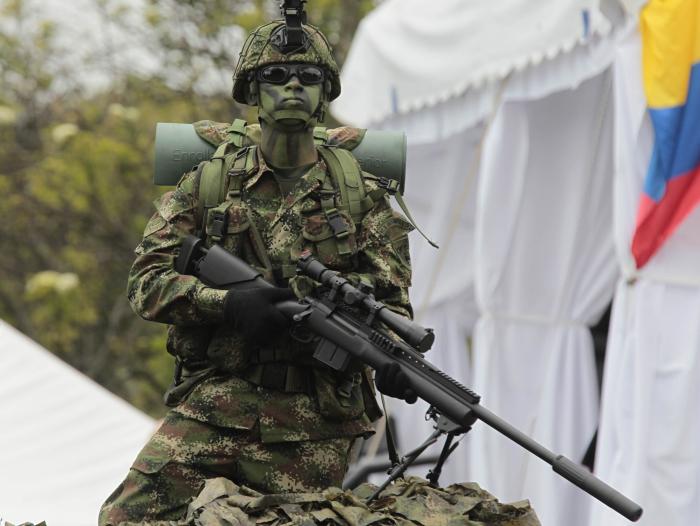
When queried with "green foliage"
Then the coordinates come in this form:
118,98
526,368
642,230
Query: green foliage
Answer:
76,172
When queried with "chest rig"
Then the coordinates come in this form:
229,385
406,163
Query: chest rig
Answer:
223,176
342,190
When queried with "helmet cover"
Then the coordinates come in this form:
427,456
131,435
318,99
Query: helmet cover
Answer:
262,47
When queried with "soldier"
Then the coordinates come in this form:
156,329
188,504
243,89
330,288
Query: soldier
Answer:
250,403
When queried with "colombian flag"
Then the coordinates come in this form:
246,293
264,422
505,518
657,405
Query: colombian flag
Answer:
671,62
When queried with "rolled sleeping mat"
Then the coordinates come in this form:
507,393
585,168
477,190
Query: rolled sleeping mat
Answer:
179,149
383,153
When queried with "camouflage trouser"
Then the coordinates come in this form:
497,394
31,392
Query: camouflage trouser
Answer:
173,465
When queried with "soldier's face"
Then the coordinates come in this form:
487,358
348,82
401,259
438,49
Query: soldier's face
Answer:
293,96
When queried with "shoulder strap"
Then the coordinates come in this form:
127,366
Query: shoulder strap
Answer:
211,182
347,176
214,181
237,133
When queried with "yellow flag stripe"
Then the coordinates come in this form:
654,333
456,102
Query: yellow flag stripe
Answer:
670,46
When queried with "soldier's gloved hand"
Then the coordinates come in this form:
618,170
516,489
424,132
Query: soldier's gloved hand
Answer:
253,313
392,381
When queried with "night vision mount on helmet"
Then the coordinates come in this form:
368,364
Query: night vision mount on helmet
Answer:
291,37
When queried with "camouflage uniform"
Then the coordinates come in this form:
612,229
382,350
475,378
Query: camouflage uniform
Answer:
268,418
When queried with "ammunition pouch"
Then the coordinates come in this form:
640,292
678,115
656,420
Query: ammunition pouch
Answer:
339,397
293,369
286,369
281,377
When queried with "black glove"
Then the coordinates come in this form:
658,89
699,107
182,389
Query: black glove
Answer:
392,381
253,312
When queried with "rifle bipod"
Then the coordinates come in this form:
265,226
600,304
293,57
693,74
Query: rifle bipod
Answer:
443,426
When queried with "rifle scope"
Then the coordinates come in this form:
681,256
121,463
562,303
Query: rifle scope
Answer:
416,336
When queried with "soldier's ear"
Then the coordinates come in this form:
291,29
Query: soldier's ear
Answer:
252,93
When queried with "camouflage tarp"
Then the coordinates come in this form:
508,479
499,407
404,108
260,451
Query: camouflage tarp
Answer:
410,502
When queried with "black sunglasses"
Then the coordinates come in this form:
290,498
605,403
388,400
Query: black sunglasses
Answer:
280,73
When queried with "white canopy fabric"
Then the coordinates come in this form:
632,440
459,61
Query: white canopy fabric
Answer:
66,442
443,279
408,54
455,115
442,177
649,438
545,272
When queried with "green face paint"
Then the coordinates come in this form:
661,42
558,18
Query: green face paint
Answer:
290,104
288,113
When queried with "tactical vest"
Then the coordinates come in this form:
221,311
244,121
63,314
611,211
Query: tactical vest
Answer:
221,178
343,189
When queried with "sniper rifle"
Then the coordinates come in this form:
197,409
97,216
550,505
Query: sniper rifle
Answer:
350,323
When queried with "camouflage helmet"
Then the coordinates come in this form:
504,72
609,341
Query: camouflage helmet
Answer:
260,49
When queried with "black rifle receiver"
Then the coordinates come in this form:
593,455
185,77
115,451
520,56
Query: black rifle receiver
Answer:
345,334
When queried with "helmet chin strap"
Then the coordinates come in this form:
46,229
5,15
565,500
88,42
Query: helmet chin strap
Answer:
292,120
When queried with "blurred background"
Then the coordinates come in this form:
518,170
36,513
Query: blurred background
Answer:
553,154
82,85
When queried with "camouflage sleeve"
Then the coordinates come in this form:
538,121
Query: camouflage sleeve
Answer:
156,291
384,259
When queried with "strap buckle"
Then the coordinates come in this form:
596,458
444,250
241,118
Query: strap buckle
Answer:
390,185
219,223
345,387
336,223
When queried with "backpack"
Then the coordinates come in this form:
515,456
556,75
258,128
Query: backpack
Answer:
235,155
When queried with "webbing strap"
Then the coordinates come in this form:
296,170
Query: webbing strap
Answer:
235,166
391,187
347,176
389,435
237,133
330,210
244,163
214,183
320,135
210,183
404,208
210,186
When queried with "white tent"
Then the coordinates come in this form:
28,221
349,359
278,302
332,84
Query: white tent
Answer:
66,442
649,438
526,263
514,170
